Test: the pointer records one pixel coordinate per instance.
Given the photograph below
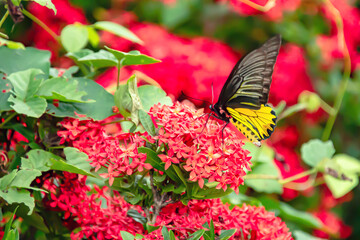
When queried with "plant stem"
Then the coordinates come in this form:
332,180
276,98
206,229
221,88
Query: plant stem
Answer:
118,75
298,176
41,24
8,119
269,5
4,18
347,69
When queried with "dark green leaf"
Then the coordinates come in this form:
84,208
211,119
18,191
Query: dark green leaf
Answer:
77,158
99,59
6,180
151,95
61,89
25,84
197,235
118,30
8,225
123,100
74,37
5,88
13,195
152,158
132,57
32,107
98,110
136,216
302,218
165,233
209,193
127,235
147,122
37,159
24,178
226,234
314,151
12,61
61,165
80,54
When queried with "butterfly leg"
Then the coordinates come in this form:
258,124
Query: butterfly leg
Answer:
204,125
222,135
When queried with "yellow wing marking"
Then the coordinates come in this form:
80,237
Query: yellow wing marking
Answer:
256,125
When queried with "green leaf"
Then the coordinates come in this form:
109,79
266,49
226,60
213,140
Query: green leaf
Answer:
117,30
11,44
13,195
76,158
12,61
46,3
61,165
302,218
5,88
226,234
8,225
27,132
151,95
339,187
6,180
265,185
348,164
300,235
98,110
32,107
74,37
263,154
127,235
132,57
314,151
152,158
139,236
61,89
38,159
147,122
176,14
197,235
94,37
210,193
123,100
80,54
136,216
99,59
24,178
165,233
25,84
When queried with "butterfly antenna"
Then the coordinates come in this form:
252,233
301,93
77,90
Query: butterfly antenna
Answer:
195,98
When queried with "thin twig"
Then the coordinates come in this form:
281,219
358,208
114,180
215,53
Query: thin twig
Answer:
347,69
269,5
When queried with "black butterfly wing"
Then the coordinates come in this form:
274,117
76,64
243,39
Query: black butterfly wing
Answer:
249,82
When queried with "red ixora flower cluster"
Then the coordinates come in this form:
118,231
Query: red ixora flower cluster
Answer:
205,150
102,215
118,153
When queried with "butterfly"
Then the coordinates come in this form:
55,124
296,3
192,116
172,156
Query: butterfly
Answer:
243,98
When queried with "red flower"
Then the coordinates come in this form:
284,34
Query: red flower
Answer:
274,14
332,225
351,19
249,220
189,65
66,14
104,150
206,157
290,76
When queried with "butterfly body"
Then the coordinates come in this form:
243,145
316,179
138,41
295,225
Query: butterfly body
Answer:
243,98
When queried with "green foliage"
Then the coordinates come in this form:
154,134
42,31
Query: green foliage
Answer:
315,151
